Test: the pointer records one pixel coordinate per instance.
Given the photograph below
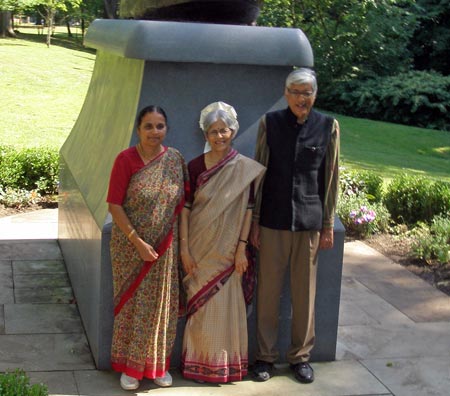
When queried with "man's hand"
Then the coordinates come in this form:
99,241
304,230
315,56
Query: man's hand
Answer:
326,238
254,234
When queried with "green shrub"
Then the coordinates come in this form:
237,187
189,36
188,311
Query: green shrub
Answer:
354,182
440,197
433,242
17,383
361,217
411,199
29,169
419,98
17,198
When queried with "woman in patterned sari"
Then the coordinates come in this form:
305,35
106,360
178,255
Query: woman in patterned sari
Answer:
213,236
146,194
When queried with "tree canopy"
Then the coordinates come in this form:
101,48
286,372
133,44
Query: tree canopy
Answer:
357,44
351,38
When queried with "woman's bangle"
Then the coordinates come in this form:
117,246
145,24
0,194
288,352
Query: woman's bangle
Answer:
243,241
131,233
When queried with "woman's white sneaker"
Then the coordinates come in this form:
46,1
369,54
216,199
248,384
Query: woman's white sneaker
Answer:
164,381
128,383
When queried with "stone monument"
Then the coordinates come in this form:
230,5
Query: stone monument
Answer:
181,67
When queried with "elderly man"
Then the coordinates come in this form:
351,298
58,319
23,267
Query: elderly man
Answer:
293,219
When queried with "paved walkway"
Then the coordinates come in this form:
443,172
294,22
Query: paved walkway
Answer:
393,339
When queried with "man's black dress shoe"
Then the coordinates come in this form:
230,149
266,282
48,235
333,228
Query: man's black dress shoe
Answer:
303,372
262,371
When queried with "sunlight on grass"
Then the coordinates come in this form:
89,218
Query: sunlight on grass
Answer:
444,151
392,149
43,89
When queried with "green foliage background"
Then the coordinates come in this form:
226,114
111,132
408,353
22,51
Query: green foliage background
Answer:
368,54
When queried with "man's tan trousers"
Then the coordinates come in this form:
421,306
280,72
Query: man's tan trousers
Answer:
282,250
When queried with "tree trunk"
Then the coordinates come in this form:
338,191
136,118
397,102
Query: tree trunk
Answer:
111,8
6,29
69,33
49,26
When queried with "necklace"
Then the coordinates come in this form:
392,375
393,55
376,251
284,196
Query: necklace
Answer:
145,156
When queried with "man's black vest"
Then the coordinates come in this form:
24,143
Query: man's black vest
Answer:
293,190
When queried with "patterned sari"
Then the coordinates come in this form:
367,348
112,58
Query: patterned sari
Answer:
215,337
146,293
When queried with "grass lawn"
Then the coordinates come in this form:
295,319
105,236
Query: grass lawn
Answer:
391,149
43,90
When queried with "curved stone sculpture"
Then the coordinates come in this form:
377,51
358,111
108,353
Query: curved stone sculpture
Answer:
235,12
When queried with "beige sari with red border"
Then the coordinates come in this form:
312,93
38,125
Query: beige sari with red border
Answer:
215,338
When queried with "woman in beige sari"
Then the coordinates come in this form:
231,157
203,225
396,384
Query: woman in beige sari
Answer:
215,224
146,194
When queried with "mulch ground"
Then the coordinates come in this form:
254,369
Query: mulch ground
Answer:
6,211
398,250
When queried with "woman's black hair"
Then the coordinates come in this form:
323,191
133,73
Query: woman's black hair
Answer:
150,109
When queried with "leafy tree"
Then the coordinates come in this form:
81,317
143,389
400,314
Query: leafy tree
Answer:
48,10
89,10
350,39
431,41
278,13
111,8
419,98
6,12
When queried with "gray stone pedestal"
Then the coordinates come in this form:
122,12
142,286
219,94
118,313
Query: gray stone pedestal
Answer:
181,67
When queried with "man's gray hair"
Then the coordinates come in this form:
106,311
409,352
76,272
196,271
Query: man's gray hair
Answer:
302,76
223,115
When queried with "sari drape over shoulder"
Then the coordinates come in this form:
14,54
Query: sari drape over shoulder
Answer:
215,339
146,293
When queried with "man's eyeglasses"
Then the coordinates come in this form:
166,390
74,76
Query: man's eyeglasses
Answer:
298,94
221,132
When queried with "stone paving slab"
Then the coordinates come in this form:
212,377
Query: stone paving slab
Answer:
45,352
332,379
38,266
30,250
42,319
422,376
361,260
6,283
361,306
44,295
405,291
31,281
6,295
5,273
59,383
2,320
406,341
413,296
39,224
